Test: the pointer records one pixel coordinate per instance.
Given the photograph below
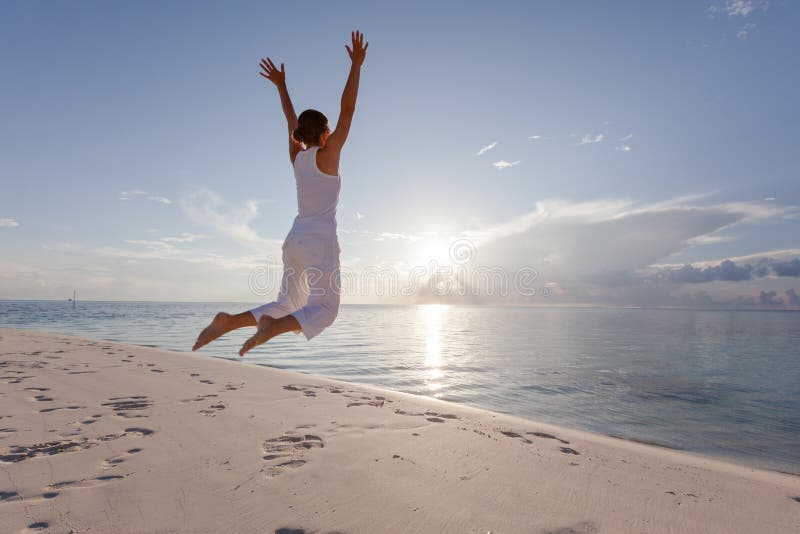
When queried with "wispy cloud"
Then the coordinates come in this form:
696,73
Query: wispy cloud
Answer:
389,235
138,193
184,237
8,223
503,164
486,148
589,139
745,31
623,145
360,216
536,137
738,8
207,208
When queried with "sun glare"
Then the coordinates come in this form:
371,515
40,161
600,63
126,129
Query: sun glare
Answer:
432,317
434,250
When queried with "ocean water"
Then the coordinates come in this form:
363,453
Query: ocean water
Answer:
723,383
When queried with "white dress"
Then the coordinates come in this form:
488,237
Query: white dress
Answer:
311,284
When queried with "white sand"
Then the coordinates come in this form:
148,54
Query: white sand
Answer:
197,444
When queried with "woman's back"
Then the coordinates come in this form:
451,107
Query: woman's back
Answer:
317,193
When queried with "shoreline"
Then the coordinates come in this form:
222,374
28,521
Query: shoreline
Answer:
224,446
749,454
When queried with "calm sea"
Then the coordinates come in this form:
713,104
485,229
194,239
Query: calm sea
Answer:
725,383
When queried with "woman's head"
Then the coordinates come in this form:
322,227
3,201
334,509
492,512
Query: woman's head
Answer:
312,128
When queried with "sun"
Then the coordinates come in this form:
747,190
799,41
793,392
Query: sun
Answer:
434,250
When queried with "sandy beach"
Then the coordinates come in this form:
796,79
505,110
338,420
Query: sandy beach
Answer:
106,437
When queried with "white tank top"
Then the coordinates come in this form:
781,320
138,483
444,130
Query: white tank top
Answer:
317,194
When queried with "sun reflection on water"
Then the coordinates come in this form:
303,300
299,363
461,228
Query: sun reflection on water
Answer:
432,315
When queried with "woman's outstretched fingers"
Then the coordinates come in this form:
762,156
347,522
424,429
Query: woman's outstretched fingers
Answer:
358,52
271,72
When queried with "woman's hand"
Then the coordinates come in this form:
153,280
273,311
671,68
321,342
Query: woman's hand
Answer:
359,50
270,72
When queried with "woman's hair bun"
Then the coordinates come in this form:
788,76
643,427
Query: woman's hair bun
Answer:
311,124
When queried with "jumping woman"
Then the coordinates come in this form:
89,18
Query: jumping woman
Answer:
308,300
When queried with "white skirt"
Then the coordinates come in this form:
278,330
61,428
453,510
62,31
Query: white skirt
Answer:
310,284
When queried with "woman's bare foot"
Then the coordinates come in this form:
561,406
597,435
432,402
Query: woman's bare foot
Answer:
262,335
222,324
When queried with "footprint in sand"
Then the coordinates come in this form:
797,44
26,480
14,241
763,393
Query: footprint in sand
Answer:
200,398
123,405
565,450
581,528
19,453
212,410
114,461
548,436
512,434
84,482
287,451
307,392
8,496
433,417
61,408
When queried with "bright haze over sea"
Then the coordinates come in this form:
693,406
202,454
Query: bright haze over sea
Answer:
718,382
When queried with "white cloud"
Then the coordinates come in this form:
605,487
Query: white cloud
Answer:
710,240
626,138
536,137
138,193
389,235
745,31
8,223
486,148
360,216
206,208
576,243
769,199
184,237
503,164
624,148
742,8
589,139
132,193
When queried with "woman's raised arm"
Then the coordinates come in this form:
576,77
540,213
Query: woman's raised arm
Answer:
278,77
357,55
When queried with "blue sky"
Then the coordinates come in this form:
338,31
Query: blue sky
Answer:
144,158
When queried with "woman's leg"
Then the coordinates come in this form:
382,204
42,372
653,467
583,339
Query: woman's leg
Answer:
290,297
269,328
221,325
322,305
